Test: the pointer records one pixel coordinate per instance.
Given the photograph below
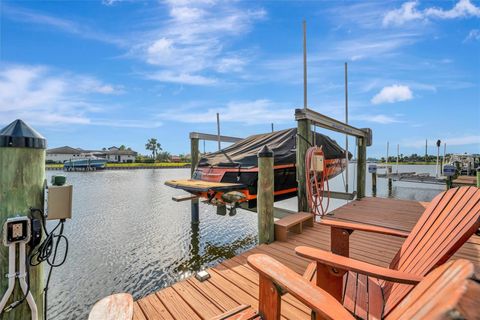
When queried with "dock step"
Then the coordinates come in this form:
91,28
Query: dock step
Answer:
294,223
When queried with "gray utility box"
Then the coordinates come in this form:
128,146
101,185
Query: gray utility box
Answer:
59,202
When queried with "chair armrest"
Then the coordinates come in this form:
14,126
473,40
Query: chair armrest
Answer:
363,227
291,282
348,264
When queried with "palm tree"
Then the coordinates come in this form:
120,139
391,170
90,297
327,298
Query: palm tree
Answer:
153,146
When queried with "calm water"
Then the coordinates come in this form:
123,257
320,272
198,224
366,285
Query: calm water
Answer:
127,235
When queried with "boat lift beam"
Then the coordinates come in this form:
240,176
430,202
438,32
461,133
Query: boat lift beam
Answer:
212,137
328,123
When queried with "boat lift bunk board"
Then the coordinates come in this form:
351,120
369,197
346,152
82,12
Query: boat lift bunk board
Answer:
230,176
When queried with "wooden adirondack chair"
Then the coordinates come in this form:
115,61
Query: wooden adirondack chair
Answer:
372,292
449,292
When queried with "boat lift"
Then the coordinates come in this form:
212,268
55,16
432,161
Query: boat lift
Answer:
305,118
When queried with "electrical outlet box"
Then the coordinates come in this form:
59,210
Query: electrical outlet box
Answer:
16,230
59,202
317,163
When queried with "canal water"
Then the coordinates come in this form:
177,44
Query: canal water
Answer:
127,235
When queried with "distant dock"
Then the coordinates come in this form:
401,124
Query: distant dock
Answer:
113,166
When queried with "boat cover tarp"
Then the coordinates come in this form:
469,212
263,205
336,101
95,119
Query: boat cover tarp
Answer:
244,153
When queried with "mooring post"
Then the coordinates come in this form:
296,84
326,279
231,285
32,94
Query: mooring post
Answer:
194,161
265,196
374,184
478,177
361,167
389,176
22,178
303,142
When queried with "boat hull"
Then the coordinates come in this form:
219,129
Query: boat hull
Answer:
85,164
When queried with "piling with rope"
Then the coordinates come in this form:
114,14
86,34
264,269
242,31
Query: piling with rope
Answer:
266,227
22,181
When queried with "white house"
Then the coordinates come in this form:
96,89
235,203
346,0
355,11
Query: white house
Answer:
62,154
114,154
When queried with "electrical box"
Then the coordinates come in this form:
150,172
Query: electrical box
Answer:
317,163
16,230
59,202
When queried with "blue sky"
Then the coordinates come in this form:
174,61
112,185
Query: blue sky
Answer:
93,74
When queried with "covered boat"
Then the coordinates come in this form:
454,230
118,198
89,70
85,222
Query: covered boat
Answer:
231,174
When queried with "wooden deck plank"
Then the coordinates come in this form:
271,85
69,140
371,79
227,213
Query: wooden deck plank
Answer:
177,307
233,282
138,313
153,308
198,302
218,297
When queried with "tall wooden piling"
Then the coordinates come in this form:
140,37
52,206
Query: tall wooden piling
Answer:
303,142
265,196
478,177
22,177
389,176
194,150
374,184
361,167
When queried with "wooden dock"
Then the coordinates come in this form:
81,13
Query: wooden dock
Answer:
234,283
465,181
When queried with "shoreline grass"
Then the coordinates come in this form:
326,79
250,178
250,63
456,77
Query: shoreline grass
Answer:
130,165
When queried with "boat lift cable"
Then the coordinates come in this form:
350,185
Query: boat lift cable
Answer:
305,139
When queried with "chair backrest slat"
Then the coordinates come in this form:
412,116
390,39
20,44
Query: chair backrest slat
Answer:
447,223
440,293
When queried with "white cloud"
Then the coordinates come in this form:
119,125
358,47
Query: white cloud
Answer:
408,12
42,96
182,78
194,41
473,35
248,112
378,118
394,93
64,25
463,9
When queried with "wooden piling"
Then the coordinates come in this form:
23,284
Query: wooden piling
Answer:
478,177
194,151
303,143
374,184
265,196
361,167
389,176
22,177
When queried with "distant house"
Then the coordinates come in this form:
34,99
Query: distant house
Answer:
112,154
62,154
176,159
